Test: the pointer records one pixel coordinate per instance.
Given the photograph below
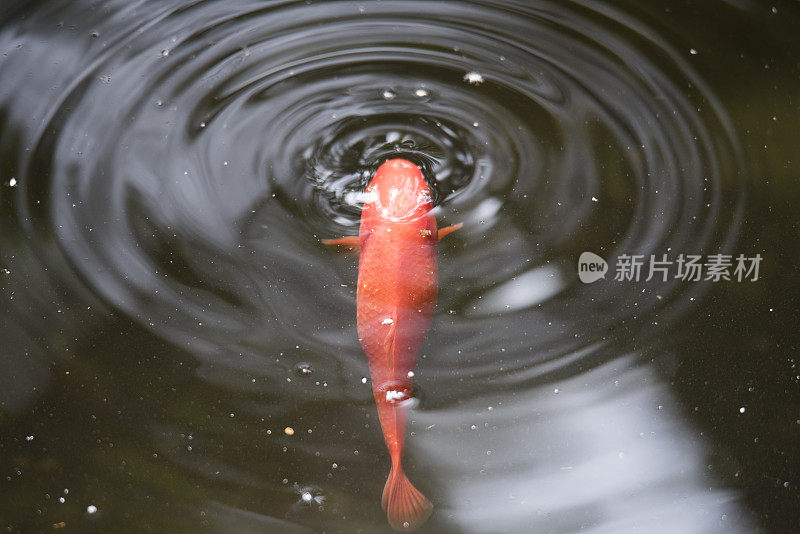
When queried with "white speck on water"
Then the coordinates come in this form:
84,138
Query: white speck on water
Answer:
387,321
363,379
307,496
556,391
29,438
388,94
62,500
12,182
411,374
476,124
693,51
594,199
164,53
202,125
473,77
421,93
742,409
91,509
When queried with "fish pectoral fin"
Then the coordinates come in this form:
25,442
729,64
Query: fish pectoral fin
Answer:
444,231
350,243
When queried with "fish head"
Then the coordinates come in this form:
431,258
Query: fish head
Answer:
398,191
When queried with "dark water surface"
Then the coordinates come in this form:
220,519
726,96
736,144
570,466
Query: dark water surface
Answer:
166,309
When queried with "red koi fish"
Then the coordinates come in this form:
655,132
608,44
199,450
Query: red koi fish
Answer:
395,300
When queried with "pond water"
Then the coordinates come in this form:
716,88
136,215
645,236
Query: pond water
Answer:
178,350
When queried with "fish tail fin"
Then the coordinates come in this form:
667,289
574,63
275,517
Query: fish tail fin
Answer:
406,507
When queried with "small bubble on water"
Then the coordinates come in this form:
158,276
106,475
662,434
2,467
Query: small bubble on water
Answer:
387,321
410,374
12,182
692,51
421,93
363,379
307,497
406,524
164,53
62,500
742,409
388,94
289,431
29,438
202,125
91,509
303,369
473,77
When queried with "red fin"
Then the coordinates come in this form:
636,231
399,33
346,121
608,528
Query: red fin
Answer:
351,243
444,231
406,508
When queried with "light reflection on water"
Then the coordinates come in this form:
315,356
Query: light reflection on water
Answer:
590,453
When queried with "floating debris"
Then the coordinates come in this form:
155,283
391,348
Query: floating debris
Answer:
475,78
303,369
